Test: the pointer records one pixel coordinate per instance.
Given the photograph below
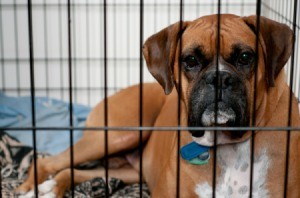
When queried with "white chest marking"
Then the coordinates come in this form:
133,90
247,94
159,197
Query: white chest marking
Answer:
235,176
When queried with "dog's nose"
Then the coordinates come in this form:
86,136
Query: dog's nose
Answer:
197,133
220,80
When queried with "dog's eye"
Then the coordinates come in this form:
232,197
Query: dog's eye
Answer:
245,59
190,63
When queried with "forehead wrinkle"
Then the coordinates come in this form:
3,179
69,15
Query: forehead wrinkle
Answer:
222,45
199,37
196,24
243,36
238,24
202,24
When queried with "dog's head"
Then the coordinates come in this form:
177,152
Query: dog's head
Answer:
191,47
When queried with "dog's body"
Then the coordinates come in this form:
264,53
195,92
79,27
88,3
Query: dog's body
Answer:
235,108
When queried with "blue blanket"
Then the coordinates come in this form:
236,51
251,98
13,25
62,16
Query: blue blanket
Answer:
16,112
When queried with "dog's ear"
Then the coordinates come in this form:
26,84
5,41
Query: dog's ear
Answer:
159,52
277,42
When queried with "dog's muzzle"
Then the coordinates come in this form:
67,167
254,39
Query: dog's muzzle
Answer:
218,100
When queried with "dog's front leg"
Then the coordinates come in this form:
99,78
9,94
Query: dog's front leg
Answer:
89,148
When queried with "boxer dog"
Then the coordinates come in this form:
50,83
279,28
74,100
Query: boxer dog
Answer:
197,59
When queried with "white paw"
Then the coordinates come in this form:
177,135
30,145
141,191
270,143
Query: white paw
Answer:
29,194
45,190
47,186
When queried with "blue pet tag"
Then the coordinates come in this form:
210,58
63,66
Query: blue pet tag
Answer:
195,153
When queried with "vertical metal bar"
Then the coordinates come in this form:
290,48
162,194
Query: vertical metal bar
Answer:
88,52
2,51
288,73
128,43
46,48
243,8
197,9
32,91
169,12
277,10
212,6
227,6
141,94
74,51
179,105
282,12
155,15
258,13
287,9
101,46
70,98
16,47
115,45
287,156
105,101
214,182
272,12
60,32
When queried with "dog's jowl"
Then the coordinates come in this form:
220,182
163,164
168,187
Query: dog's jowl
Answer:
217,89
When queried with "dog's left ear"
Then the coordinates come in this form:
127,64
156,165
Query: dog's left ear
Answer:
277,42
159,52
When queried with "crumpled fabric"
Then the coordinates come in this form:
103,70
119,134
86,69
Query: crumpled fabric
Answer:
17,112
16,158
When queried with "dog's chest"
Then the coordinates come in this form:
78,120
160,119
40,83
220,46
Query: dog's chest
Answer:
234,180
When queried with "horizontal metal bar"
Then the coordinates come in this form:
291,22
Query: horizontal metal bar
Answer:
65,59
150,128
10,89
63,88
121,4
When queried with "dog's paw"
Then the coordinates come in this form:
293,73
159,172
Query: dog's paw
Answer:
22,194
45,190
44,170
23,189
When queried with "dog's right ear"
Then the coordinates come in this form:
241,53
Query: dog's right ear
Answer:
278,40
159,52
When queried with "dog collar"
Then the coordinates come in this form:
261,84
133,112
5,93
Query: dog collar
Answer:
195,153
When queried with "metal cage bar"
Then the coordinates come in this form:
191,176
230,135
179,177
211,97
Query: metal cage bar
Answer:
46,47
74,50
141,96
88,52
16,47
287,155
60,48
133,128
181,4
252,146
2,51
215,148
105,101
32,92
70,96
